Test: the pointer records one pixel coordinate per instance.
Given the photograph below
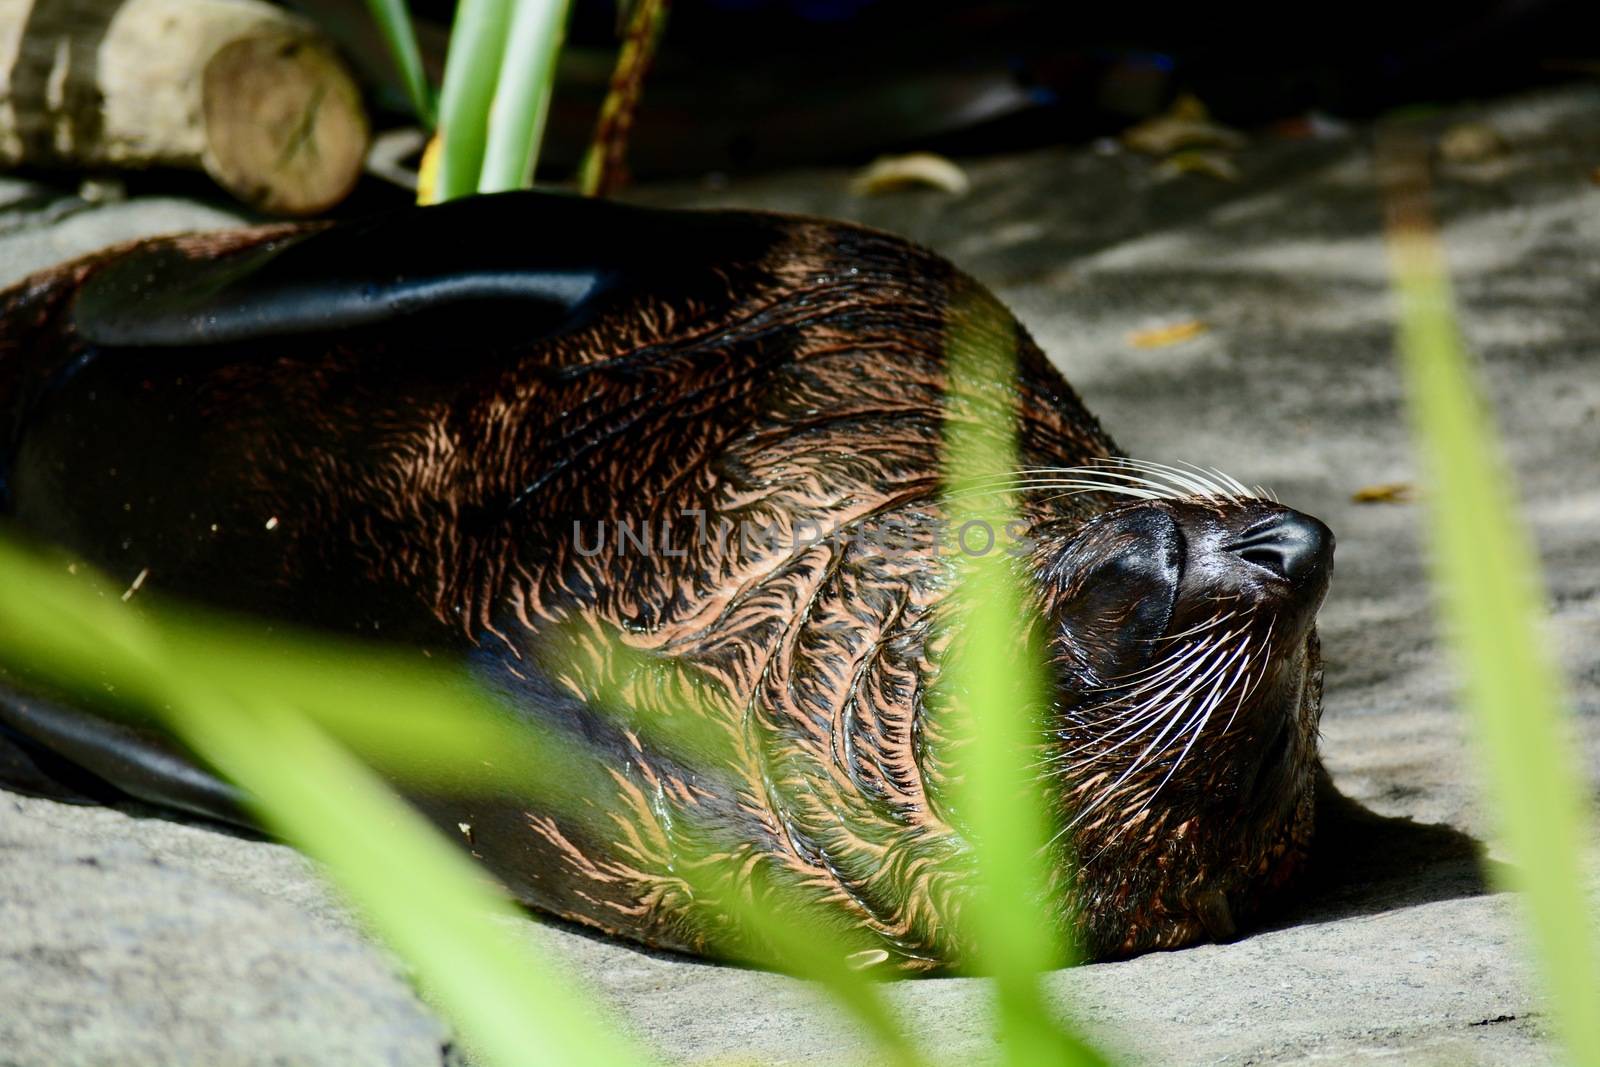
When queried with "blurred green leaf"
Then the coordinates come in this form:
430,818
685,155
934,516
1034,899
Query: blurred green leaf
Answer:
1000,695
415,720
395,22
1487,577
417,891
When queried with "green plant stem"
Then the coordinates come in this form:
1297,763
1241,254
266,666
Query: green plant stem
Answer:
471,73
1487,577
395,22
522,99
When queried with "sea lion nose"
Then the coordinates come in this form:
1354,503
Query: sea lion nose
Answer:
1293,546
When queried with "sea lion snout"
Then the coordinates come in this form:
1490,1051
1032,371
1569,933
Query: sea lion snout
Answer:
1255,554
1291,545
1187,699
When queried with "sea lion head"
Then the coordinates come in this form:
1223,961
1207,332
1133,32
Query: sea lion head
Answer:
1182,740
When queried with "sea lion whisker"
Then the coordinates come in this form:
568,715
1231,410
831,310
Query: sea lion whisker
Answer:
1167,712
1152,704
1200,717
1135,684
1238,486
1099,479
1165,481
1248,690
1204,481
1214,668
1266,662
1215,620
1171,486
1104,795
1085,485
1107,467
1226,486
1191,485
1225,684
1137,495
1205,475
1143,716
1126,715
1126,470
1140,681
1076,487
1225,482
1173,480
1130,706
1097,471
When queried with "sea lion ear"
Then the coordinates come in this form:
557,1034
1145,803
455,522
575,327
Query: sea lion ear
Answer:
483,266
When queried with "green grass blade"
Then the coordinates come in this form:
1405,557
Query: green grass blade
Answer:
415,721
418,892
522,99
395,22
1487,576
471,73
1002,700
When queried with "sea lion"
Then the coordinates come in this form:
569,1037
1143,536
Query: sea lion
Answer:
468,428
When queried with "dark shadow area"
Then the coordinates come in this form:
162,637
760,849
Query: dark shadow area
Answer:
1364,863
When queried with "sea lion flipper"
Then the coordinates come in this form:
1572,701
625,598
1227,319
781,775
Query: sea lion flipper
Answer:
35,771
54,750
407,264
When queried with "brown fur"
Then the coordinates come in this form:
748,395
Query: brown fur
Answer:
429,498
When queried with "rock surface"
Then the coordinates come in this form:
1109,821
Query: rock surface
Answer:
134,940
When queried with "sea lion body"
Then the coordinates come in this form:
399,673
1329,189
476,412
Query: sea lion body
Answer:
494,428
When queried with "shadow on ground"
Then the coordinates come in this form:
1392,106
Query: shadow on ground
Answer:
1364,864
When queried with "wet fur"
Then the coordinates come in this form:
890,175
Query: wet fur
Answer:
425,483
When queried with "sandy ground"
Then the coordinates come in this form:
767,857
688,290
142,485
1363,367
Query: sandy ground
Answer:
134,940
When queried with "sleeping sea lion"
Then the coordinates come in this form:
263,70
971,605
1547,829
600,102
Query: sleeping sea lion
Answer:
469,428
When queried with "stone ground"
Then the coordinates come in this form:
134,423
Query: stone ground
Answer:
134,940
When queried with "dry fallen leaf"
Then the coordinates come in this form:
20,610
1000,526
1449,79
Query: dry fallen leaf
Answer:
893,173
1386,493
1471,142
1161,336
1198,161
1186,124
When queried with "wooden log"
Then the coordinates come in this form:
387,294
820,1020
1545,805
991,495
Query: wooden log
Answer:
252,95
